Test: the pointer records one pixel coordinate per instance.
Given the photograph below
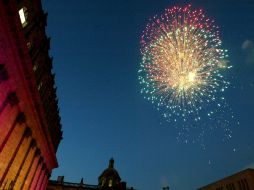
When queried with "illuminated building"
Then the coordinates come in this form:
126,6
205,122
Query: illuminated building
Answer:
243,180
30,128
108,180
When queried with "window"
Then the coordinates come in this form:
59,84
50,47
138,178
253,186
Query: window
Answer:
239,185
246,184
35,67
243,185
103,182
29,45
23,16
40,85
233,186
110,183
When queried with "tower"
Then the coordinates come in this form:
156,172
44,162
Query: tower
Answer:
110,179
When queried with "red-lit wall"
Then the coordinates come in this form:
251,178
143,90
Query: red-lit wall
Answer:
27,155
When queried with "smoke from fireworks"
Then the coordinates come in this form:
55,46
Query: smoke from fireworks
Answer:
182,65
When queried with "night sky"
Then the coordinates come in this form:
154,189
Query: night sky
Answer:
96,51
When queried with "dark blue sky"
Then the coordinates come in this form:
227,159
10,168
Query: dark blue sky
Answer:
95,45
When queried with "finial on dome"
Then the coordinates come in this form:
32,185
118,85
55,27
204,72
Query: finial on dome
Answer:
111,163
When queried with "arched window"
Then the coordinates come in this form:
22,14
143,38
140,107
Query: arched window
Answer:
110,183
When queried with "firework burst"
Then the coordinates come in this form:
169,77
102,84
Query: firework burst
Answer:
182,64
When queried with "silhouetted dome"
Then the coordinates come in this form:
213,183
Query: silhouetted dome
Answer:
109,177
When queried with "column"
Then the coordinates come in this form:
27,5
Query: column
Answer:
40,175
38,164
5,184
45,173
26,133
36,153
32,144
20,119
44,186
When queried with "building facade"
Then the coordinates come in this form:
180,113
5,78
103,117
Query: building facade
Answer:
60,184
108,180
243,180
30,128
